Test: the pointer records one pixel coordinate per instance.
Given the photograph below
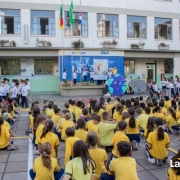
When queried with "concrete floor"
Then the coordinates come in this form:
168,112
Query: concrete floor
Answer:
14,164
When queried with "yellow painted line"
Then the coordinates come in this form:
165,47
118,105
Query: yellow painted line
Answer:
20,137
173,150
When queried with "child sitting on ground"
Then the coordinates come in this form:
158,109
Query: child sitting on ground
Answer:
45,106
81,133
123,167
85,115
98,155
57,116
90,124
117,116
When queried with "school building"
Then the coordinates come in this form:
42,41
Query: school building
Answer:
144,34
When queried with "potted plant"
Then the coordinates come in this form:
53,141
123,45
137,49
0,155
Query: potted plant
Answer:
141,45
109,44
78,44
4,43
42,43
163,46
134,46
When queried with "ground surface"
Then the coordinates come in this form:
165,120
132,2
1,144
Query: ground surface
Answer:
15,165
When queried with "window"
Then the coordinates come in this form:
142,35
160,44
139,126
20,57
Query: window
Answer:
163,28
43,67
129,67
10,21
10,67
136,27
42,22
168,66
107,25
73,30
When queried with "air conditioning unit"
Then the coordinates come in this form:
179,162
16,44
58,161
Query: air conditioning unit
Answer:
25,33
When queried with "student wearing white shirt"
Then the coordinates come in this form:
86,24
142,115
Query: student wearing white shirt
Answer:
109,73
3,91
163,84
92,76
168,90
64,76
74,76
84,75
171,85
155,88
28,84
25,92
15,91
7,87
177,87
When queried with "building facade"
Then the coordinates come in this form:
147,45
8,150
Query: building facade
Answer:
147,33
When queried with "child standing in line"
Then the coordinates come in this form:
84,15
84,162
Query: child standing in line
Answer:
48,136
98,155
123,167
84,75
64,77
70,132
25,92
81,133
45,166
91,76
74,76
157,143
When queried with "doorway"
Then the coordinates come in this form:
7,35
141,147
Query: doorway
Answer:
150,72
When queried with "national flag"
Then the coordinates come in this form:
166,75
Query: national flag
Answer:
71,14
80,21
61,18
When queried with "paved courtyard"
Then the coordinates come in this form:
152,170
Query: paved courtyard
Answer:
15,165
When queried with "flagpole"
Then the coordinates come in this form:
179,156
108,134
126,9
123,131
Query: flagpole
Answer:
62,43
80,40
71,50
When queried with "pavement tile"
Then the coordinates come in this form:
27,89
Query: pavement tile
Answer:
1,176
174,143
139,154
61,162
61,154
4,152
4,157
175,147
147,165
159,173
2,167
22,149
18,157
145,175
168,160
62,146
15,176
21,142
13,167
140,168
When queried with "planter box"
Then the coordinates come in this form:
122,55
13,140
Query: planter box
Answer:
110,46
139,47
42,44
163,47
8,44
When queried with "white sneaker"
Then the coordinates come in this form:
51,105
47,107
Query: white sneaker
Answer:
152,160
134,145
147,153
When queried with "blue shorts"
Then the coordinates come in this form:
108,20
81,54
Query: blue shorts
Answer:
135,137
163,87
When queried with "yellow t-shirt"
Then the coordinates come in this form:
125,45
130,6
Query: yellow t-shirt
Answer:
159,115
167,104
39,131
72,107
69,148
164,111
125,168
77,112
74,169
146,132
89,125
171,121
81,134
117,117
99,156
106,133
100,113
50,113
7,125
56,119
143,119
171,175
53,140
158,148
44,173
130,130
109,108
177,115
118,136
31,120
4,137
64,125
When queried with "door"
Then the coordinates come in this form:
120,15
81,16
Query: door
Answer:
150,72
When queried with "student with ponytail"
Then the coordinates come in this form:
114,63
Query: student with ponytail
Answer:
117,116
81,167
157,143
102,108
48,136
133,127
157,111
171,119
46,167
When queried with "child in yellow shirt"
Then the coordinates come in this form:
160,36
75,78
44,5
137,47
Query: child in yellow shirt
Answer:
71,111
81,133
70,132
163,109
109,107
171,119
102,108
157,143
65,124
46,166
150,126
72,104
78,110
117,116
118,166
167,102
85,114
98,155
158,113
57,116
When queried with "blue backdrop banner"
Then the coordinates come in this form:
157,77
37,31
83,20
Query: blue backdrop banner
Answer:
98,63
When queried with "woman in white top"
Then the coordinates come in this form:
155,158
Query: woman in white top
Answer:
163,84
92,76
64,75
84,75
74,76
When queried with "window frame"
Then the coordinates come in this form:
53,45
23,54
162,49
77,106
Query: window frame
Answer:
168,61
129,66
48,17
115,37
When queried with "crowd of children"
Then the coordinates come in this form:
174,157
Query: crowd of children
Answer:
91,131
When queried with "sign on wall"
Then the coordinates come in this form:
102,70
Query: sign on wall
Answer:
27,66
71,63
